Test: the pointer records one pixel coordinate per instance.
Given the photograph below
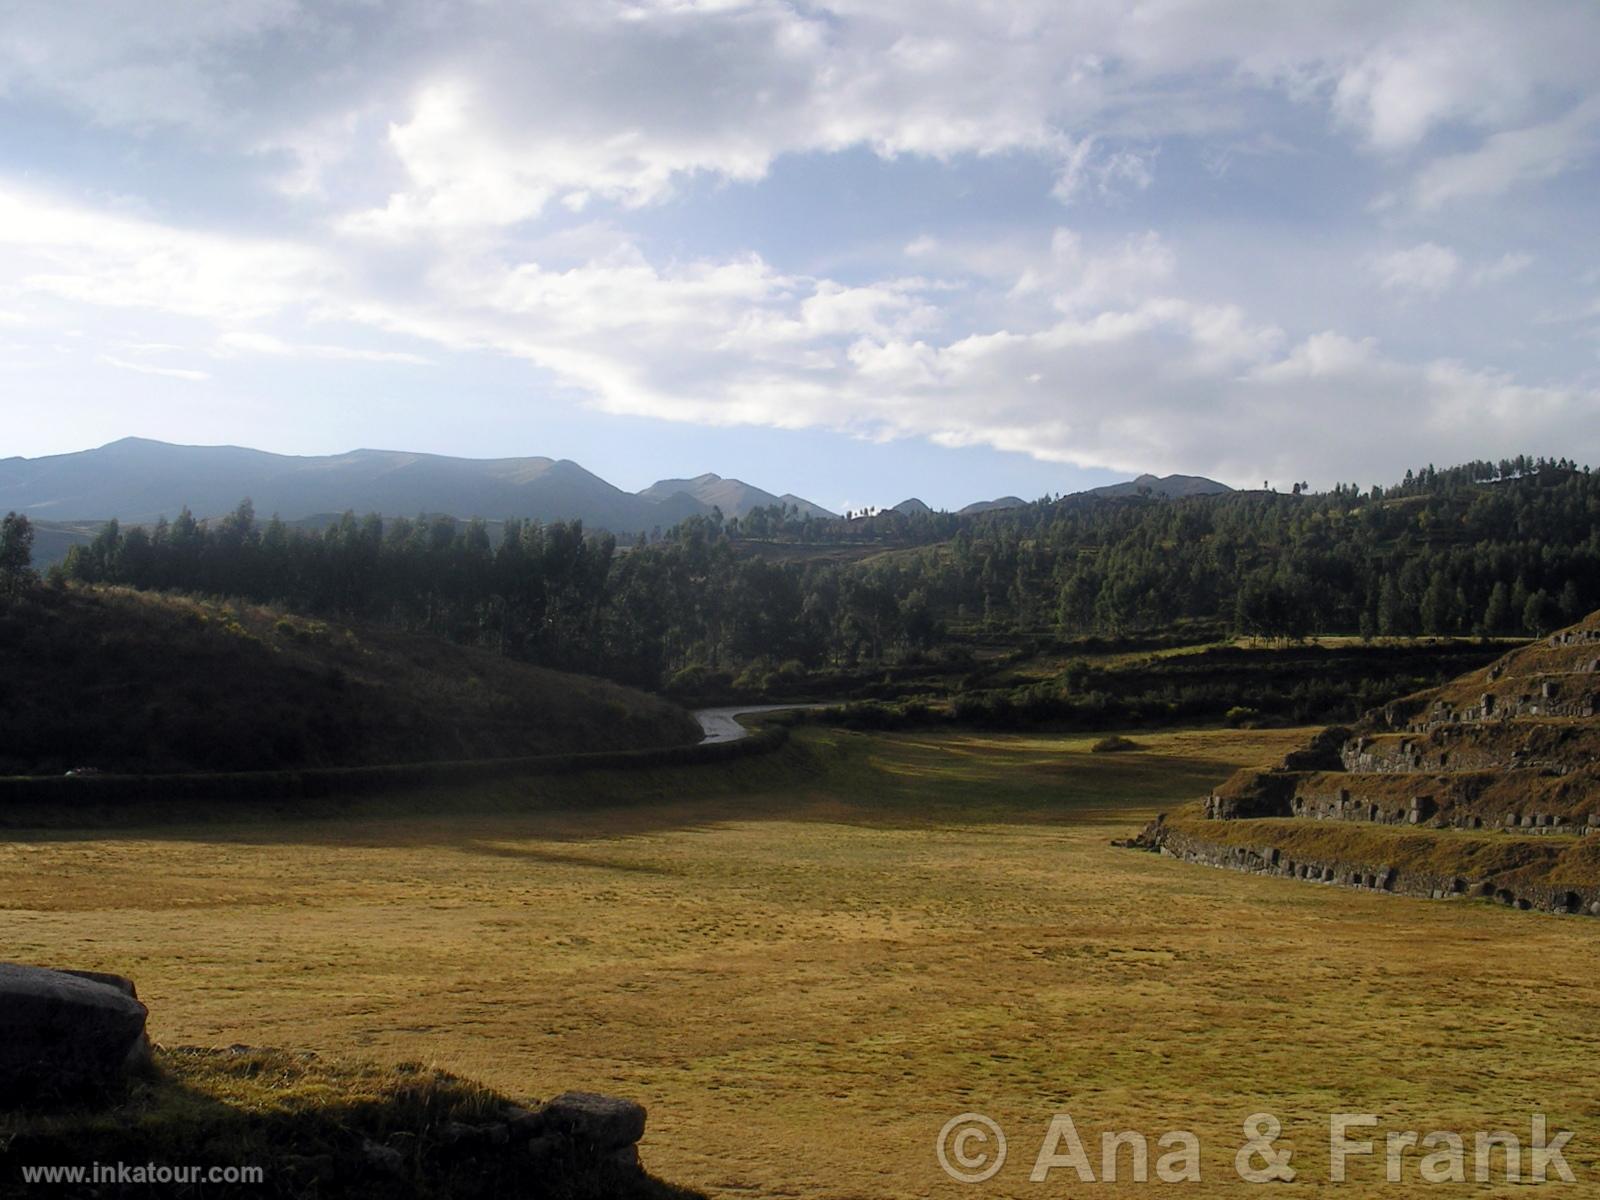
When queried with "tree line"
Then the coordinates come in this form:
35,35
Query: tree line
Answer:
555,594
1485,548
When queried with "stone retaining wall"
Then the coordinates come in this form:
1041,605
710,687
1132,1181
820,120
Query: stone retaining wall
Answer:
1449,800
1369,875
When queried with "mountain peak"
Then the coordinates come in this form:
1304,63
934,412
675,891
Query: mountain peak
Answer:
983,506
733,496
1169,487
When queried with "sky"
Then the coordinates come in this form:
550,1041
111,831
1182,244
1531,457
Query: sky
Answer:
857,250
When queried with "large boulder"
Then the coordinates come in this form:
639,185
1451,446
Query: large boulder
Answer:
594,1122
64,1033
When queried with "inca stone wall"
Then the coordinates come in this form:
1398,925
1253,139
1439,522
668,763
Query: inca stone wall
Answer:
1512,749
1370,875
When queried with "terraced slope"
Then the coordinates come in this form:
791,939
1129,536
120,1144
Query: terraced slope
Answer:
1488,785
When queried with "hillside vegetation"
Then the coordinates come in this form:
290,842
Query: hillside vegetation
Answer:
1484,549
1333,679
120,680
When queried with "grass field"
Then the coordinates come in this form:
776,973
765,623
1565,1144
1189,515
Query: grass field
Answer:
805,965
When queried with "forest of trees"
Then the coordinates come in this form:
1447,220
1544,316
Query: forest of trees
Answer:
548,593
1507,548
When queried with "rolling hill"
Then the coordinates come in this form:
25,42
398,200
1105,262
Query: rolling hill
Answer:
132,681
983,506
1170,487
733,496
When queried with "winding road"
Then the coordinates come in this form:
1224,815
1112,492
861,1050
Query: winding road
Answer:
722,725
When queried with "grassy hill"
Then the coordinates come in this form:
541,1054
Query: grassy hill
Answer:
52,540
121,680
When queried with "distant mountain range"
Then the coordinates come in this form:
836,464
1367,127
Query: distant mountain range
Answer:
137,481
1168,487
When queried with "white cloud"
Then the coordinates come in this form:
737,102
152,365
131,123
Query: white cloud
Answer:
239,342
55,248
498,153
1511,158
1073,173
134,65
1325,355
1107,174
1075,279
187,374
1402,89
1427,268
1502,268
1101,361
491,112
1115,371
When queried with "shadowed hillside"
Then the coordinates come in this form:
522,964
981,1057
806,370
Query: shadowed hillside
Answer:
127,681
321,1127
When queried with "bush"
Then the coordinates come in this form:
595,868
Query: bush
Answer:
755,679
689,679
1077,674
1239,715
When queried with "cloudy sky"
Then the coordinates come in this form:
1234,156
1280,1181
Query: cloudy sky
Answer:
855,249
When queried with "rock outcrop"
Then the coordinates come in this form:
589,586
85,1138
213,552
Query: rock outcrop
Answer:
66,1033
69,1038
605,1126
339,1127
575,1130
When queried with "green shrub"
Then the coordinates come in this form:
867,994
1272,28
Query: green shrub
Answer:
755,679
1113,745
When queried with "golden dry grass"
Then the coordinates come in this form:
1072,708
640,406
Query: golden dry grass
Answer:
804,978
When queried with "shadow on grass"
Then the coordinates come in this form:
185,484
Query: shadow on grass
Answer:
902,780
310,1127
